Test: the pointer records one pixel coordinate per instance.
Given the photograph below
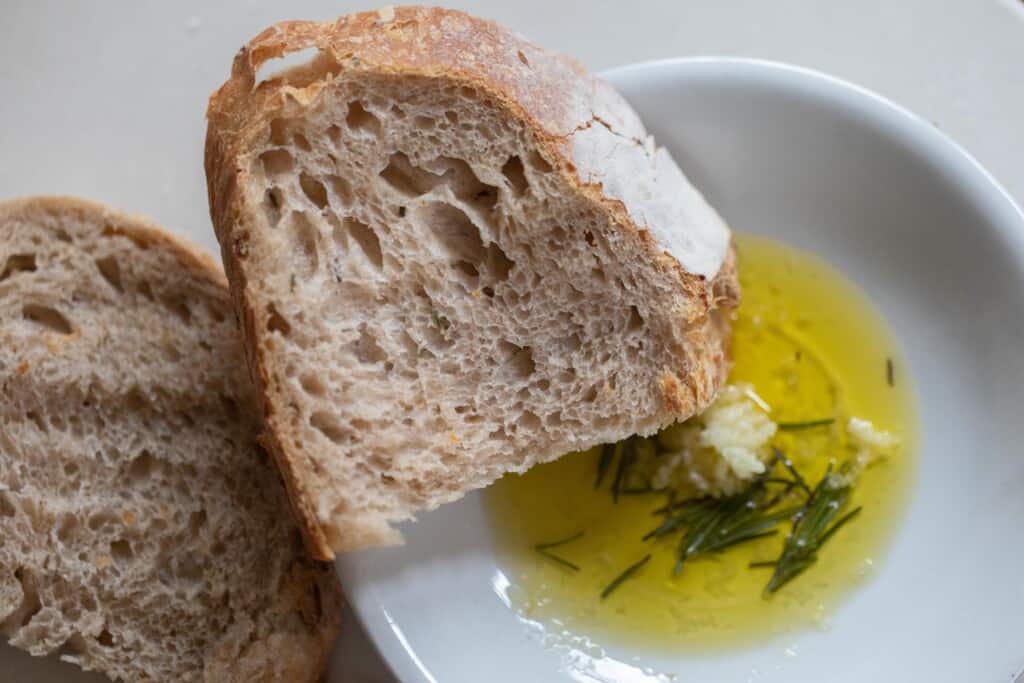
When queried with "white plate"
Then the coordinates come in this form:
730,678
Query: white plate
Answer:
939,248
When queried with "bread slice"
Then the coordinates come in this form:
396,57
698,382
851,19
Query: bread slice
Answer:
143,532
454,255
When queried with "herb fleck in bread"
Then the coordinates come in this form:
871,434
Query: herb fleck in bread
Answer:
454,255
143,533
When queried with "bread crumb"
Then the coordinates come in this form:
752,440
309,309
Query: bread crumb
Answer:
386,13
128,517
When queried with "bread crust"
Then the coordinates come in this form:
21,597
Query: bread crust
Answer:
553,96
310,589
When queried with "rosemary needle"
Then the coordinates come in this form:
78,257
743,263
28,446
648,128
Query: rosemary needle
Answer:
808,424
560,560
629,571
545,550
625,450
555,544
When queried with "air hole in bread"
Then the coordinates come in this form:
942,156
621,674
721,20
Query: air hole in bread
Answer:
187,570
366,347
453,230
452,117
397,112
110,270
424,123
141,466
138,239
301,142
105,638
518,359
366,238
359,119
48,317
499,265
279,132
230,406
304,237
314,190
277,323
515,175
35,419
407,179
334,135
18,263
636,321
7,508
538,163
464,182
272,201
341,189
528,421
467,92
285,65
179,307
329,426
468,271
196,521
135,400
30,603
312,385
100,519
121,552
144,289
276,162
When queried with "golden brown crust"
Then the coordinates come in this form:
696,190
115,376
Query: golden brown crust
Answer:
552,95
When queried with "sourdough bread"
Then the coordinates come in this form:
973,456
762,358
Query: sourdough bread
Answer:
143,532
454,255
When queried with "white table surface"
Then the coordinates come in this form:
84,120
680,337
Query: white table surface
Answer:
106,100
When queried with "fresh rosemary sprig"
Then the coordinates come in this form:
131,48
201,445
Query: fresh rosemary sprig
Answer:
629,571
727,522
810,531
545,550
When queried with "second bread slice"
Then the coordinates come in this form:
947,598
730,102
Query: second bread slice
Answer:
143,532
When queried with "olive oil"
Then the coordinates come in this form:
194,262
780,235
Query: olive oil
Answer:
813,349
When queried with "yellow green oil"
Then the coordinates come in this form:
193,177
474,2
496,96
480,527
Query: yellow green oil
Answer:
812,346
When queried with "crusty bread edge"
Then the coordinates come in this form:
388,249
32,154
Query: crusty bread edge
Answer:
239,112
200,265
